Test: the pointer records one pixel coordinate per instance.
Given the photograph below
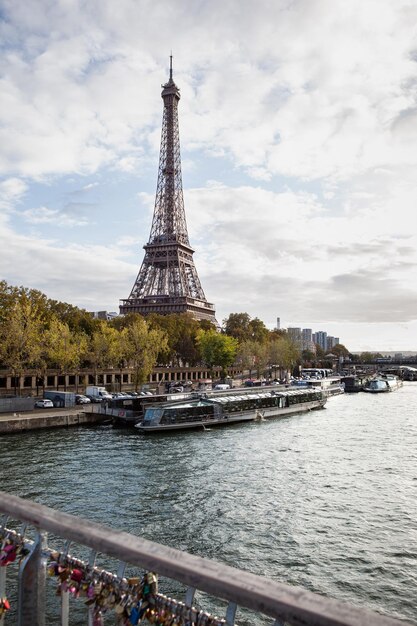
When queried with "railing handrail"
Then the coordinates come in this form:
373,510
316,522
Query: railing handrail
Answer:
278,600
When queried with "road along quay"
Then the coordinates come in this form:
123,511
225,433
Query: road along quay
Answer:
51,418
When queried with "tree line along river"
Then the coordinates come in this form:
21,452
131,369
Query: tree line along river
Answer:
326,500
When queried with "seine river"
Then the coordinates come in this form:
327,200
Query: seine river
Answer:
326,500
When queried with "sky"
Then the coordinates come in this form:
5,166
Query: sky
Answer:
298,127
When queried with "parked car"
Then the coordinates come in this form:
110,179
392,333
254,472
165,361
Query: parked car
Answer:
44,404
80,399
96,399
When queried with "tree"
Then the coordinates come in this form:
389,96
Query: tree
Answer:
237,326
369,357
217,349
105,347
245,356
140,347
19,338
284,353
243,328
65,348
78,320
181,330
253,355
340,350
308,356
258,331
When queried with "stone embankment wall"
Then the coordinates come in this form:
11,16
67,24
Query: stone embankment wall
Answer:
19,423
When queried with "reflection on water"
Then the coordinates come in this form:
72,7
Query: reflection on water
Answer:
325,500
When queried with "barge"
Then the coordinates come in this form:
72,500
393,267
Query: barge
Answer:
228,409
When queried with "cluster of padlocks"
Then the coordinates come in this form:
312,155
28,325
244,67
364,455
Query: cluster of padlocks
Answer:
133,600
12,548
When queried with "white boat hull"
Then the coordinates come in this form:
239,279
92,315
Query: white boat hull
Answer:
234,418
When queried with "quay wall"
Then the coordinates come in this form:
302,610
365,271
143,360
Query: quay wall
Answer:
20,423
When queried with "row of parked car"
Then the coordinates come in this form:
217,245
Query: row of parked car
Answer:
45,403
82,399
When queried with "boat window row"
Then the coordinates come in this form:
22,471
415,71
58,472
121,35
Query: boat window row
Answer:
188,413
263,401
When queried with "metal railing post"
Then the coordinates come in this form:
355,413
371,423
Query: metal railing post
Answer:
231,613
31,593
2,590
91,563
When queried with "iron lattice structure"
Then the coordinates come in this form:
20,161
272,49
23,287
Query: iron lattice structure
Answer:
168,281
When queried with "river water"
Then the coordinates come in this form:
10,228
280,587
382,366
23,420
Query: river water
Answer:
326,500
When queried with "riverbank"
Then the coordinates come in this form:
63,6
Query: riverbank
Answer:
17,423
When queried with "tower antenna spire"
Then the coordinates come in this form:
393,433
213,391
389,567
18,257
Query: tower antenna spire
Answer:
170,66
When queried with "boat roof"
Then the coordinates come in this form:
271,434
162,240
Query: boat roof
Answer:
236,397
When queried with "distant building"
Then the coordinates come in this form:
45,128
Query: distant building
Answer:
296,337
320,338
305,339
278,323
104,315
332,342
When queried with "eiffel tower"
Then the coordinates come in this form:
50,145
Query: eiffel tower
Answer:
168,281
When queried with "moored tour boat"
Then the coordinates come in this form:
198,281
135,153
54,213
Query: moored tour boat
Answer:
331,385
354,383
383,383
229,409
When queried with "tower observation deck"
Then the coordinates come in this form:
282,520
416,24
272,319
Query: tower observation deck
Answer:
168,281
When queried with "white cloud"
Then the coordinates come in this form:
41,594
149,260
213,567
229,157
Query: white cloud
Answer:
314,100
43,215
281,252
11,192
92,277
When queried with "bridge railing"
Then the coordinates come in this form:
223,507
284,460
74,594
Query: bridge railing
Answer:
282,603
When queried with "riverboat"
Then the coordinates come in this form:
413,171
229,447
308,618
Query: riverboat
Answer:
383,383
330,386
354,383
128,411
228,409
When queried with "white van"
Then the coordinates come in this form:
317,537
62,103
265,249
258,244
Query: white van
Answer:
222,387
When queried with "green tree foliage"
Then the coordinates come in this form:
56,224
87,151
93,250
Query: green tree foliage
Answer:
258,331
283,353
20,336
78,320
340,350
105,347
123,321
11,297
369,357
245,356
217,349
253,355
237,326
243,328
181,330
140,346
65,348
308,356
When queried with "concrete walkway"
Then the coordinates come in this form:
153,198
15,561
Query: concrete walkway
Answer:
49,418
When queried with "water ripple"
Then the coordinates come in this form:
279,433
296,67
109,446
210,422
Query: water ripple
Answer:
325,500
